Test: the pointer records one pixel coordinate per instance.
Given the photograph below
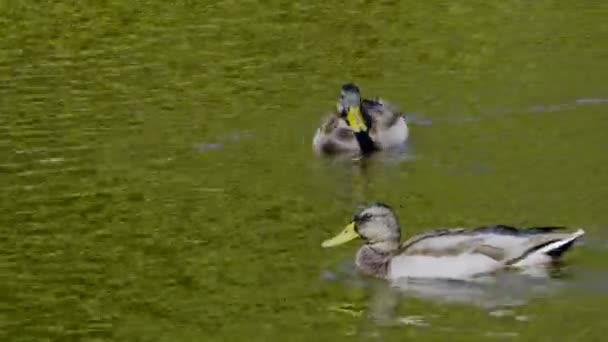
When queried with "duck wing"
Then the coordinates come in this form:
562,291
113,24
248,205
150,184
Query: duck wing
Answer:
334,136
379,105
505,244
385,116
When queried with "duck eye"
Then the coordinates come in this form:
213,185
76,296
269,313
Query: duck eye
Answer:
365,217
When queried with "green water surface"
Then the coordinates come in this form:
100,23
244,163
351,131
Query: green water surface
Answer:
158,181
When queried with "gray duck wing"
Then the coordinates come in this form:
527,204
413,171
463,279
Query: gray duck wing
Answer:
499,242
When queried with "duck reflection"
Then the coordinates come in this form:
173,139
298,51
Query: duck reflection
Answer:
500,294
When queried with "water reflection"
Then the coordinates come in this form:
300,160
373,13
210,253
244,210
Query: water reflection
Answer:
500,295
353,178
506,289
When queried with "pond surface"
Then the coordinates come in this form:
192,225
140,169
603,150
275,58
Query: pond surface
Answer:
158,180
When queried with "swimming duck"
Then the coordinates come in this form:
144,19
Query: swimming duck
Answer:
456,253
360,125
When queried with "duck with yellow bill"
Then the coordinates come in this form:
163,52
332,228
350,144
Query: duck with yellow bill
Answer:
360,126
452,253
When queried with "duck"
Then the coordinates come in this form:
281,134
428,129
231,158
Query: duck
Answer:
360,126
448,253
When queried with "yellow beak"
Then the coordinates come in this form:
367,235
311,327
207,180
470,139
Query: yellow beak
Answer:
355,119
346,235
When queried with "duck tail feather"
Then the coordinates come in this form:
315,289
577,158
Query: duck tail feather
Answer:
557,248
553,248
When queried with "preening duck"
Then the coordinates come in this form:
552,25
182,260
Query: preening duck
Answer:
360,125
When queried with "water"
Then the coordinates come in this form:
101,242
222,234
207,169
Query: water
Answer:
158,182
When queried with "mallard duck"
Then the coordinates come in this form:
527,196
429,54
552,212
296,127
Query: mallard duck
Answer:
447,253
360,125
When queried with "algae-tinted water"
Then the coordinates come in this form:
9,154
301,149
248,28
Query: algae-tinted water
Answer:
158,182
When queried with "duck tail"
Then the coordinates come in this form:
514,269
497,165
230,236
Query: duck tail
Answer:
550,250
557,248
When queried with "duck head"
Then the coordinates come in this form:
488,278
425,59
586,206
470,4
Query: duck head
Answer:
350,103
376,224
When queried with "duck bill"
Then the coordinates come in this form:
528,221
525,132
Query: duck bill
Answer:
355,119
349,233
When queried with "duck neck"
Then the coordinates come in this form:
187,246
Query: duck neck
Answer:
384,247
373,258
366,144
